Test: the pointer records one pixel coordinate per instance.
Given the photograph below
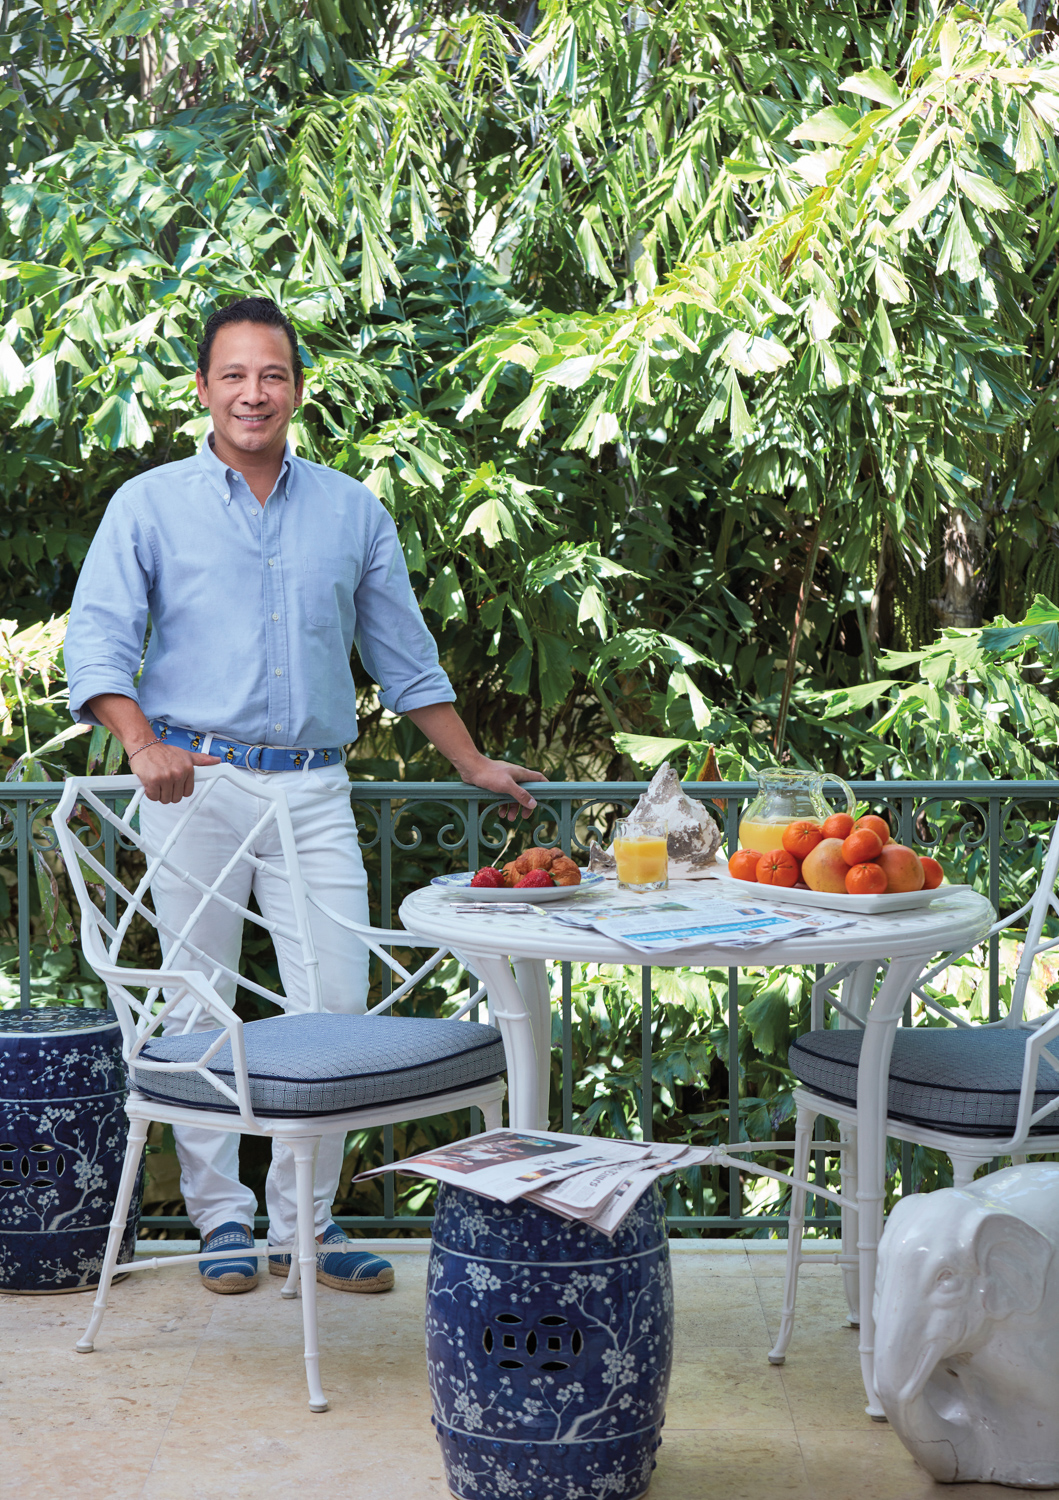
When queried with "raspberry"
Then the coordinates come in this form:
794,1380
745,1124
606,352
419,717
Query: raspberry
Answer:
487,875
535,878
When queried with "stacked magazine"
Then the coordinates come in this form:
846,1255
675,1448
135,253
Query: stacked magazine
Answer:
577,1177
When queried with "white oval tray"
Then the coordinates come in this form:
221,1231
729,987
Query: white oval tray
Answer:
867,906
459,887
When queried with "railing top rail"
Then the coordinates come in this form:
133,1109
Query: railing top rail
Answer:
707,789
461,791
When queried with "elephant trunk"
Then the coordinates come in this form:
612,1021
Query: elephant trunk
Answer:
945,1445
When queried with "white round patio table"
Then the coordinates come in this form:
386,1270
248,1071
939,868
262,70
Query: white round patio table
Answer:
508,953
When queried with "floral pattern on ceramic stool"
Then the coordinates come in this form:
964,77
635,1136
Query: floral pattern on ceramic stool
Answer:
62,1142
549,1348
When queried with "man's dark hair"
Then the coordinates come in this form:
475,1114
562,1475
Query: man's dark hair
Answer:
248,310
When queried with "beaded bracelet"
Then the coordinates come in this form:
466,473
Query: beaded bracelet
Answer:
148,745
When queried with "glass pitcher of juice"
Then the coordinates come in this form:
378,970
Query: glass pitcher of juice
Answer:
786,797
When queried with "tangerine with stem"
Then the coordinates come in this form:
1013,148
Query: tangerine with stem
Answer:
802,837
778,868
863,844
866,879
877,825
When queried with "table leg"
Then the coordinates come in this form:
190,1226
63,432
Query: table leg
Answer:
518,1026
531,976
872,1093
856,997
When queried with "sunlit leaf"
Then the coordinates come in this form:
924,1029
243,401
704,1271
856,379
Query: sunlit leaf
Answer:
874,84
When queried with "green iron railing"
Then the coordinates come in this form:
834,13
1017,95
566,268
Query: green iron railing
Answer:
994,827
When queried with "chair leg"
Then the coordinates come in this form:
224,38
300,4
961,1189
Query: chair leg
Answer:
964,1168
850,1273
304,1150
493,1114
133,1152
290,1286
803,1139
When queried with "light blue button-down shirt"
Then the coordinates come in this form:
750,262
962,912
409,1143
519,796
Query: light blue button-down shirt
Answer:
253,609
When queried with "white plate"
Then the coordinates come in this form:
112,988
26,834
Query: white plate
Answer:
868,906
459,887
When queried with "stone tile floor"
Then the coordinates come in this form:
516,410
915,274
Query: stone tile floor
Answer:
192,1396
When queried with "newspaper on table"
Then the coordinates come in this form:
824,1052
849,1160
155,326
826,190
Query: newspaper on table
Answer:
666,922
594,1181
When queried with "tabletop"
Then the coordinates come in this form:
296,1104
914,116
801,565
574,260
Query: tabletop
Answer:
954,921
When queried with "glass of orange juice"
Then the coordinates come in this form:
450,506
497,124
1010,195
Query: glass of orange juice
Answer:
641,852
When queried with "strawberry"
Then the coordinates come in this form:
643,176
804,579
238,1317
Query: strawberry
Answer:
487,875
535,878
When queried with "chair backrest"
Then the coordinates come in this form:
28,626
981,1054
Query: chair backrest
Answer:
100,812
1036,910
1043,903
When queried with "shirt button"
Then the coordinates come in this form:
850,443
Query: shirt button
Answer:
275,616
272,562
279,726
279,671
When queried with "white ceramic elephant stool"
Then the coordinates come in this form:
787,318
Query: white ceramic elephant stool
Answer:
967,1328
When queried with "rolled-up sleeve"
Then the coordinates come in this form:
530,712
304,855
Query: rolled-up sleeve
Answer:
108,618
391,635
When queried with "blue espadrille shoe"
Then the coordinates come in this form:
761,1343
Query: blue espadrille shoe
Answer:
346,1269
229,1275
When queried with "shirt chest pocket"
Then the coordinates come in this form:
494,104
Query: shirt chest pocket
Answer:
319,587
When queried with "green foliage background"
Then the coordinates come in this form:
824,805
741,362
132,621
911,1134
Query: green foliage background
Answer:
696,350
647,323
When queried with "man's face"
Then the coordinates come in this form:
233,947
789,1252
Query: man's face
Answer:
250,391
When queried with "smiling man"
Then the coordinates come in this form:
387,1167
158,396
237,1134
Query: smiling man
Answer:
259,573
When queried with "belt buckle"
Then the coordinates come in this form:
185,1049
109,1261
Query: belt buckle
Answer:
260,769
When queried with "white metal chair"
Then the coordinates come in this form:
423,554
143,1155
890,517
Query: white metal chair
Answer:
973,1091
339,1072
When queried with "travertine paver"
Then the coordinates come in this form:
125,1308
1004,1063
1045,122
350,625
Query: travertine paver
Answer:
191,1396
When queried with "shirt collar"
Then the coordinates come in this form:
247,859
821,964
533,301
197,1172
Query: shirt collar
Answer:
217,473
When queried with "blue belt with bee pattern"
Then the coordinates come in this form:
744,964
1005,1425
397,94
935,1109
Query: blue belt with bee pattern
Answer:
251,757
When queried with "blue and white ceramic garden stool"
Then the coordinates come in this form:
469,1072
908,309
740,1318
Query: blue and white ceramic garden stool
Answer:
62,1143
548,1349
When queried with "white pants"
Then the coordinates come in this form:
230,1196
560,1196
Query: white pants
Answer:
325,833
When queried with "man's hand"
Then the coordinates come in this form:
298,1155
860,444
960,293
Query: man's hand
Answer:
168,773
502,777
443,726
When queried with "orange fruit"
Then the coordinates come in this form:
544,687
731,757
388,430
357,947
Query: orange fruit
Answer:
837,826
877,825
778,868
861,845
799,838
743,864
932,872
825,869
904,871
866,879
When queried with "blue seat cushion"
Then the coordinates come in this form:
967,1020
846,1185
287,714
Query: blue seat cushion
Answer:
964,1080
322,1064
